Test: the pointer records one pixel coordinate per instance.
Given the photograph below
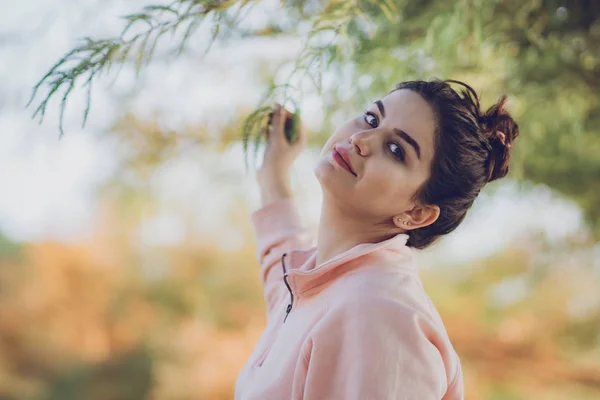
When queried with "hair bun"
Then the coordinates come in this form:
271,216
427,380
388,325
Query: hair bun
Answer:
502,137
501,130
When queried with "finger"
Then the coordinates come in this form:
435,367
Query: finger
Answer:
301,132
282,112
279,124
268,125
271,123
275,115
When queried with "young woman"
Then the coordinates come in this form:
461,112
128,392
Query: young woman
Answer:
348,318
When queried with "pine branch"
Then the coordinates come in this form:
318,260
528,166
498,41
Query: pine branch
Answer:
334,20
90,58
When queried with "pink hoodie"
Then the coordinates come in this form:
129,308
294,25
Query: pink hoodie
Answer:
359,326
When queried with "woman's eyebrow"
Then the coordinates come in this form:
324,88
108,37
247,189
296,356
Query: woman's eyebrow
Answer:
400,132
381,109
409,140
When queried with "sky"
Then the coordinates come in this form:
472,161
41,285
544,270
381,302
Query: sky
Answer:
49,184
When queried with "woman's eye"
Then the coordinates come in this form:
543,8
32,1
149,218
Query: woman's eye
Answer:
370,117
397,151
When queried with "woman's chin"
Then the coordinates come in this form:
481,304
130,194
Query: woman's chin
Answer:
333,177
325,171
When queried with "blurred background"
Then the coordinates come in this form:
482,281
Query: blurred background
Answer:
127,259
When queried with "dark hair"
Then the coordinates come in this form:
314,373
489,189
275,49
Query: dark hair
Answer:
471,149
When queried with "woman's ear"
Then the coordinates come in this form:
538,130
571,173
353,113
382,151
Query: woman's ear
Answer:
418,217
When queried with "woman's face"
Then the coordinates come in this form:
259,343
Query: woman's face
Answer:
390,149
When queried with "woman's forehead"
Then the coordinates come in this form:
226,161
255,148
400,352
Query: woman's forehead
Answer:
405,102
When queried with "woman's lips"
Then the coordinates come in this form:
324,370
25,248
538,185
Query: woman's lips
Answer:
338,158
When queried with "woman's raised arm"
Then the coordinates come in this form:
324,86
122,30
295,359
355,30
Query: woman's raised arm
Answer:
277,224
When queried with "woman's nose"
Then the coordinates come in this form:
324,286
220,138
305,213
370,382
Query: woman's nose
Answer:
361,141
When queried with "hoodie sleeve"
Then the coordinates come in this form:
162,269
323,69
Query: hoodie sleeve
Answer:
278,229
370,349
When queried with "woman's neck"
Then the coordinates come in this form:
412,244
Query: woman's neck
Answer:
338,232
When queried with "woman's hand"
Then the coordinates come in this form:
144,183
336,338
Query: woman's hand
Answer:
273,175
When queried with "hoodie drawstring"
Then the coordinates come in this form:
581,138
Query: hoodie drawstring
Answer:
289,307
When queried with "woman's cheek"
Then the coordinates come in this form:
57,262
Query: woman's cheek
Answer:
342,134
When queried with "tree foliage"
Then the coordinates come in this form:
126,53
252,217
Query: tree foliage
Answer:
545,54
